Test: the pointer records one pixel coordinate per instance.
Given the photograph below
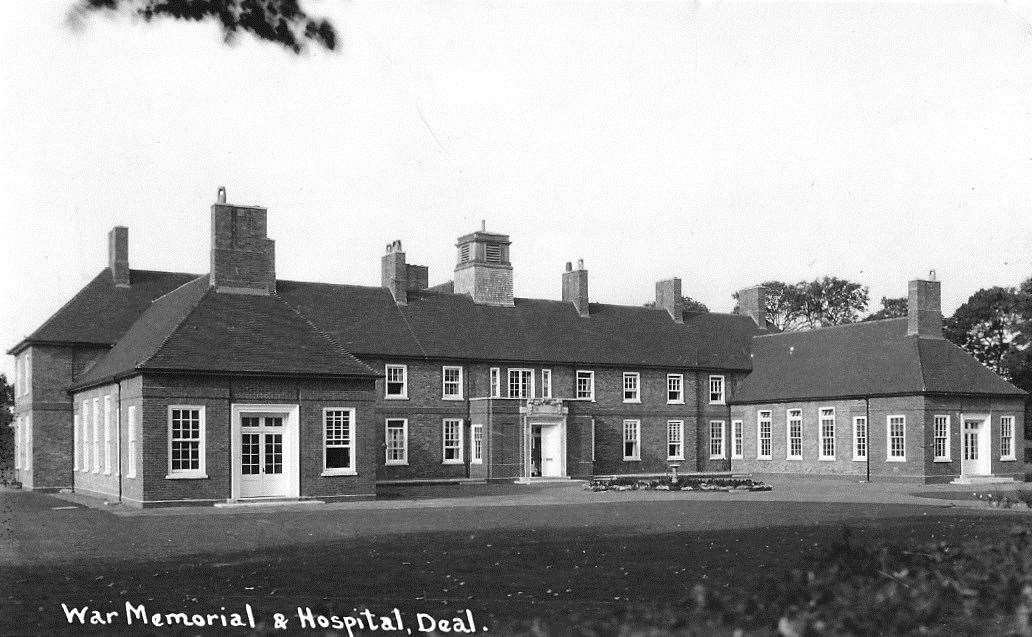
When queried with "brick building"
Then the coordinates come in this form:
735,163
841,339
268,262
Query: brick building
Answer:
162,388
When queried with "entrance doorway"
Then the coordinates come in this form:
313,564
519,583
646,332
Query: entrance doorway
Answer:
975,454
265,451
547,451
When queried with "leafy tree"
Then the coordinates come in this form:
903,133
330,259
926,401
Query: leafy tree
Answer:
812,304
6,418
993,326
283,22
891,308
690,305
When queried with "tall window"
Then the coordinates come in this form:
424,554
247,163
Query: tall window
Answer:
452,375
185,441
76,441
737,440
716,439
546,383
23,367
764,426
897,438
107,435
397,441
675,439
631,387
86,446
827,433
397,381
477,453
941,433
521,383
795,434
1006,437
585,385
96,434
339,442
496,383
130,417
632,440
860,438
452,440
675,388
716,390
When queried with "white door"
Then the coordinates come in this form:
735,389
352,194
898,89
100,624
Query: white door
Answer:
262,472
551,451
974,448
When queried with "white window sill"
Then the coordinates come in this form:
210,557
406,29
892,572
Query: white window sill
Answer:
476,462
712,457
674,402
395,397
738,457
338,472
826,459
764,457
941,460
395,463
459,461
451,397
187,476
859,459
636,401
587,400
632,459
793,458
895,460
1009,459
675,458
722,402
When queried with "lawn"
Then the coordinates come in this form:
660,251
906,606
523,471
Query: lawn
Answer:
589,567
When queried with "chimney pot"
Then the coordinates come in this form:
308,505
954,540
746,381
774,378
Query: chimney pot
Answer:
580,264
220,195
569,267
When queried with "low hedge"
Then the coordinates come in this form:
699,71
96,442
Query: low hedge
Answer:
665,483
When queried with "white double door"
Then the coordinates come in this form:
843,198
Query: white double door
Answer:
974,447
552,449
265,451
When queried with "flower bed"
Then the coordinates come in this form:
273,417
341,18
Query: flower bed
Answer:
666,483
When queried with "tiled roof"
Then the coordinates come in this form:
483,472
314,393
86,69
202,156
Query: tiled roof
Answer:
101,313
367,322
862,359
196,329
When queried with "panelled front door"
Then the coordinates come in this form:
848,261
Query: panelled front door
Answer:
974,450
261,456
551,451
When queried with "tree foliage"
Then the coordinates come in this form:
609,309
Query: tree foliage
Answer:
891,308
283,22
995,326
811,304
6,417
690,305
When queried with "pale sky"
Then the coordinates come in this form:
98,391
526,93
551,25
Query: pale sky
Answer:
725,143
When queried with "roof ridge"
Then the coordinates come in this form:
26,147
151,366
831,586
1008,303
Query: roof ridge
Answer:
318,330
175,328
827,328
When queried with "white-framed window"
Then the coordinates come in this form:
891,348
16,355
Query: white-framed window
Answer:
826,433
675,439
339,441
451,440
546,383
631,387
794,434
396,436
675,389
86,446
764,428
521,383
23,370
859,437
896,438
96,434
76,442
477,452
107,435
133,452
396,385
451,376
186,441
716,439
941,438
632,440
1007,438
716,390
585,389
737,440
496,383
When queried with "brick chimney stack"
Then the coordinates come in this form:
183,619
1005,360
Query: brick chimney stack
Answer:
668,297
575,287
483,270
118,255
752,302
924,308
243,258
